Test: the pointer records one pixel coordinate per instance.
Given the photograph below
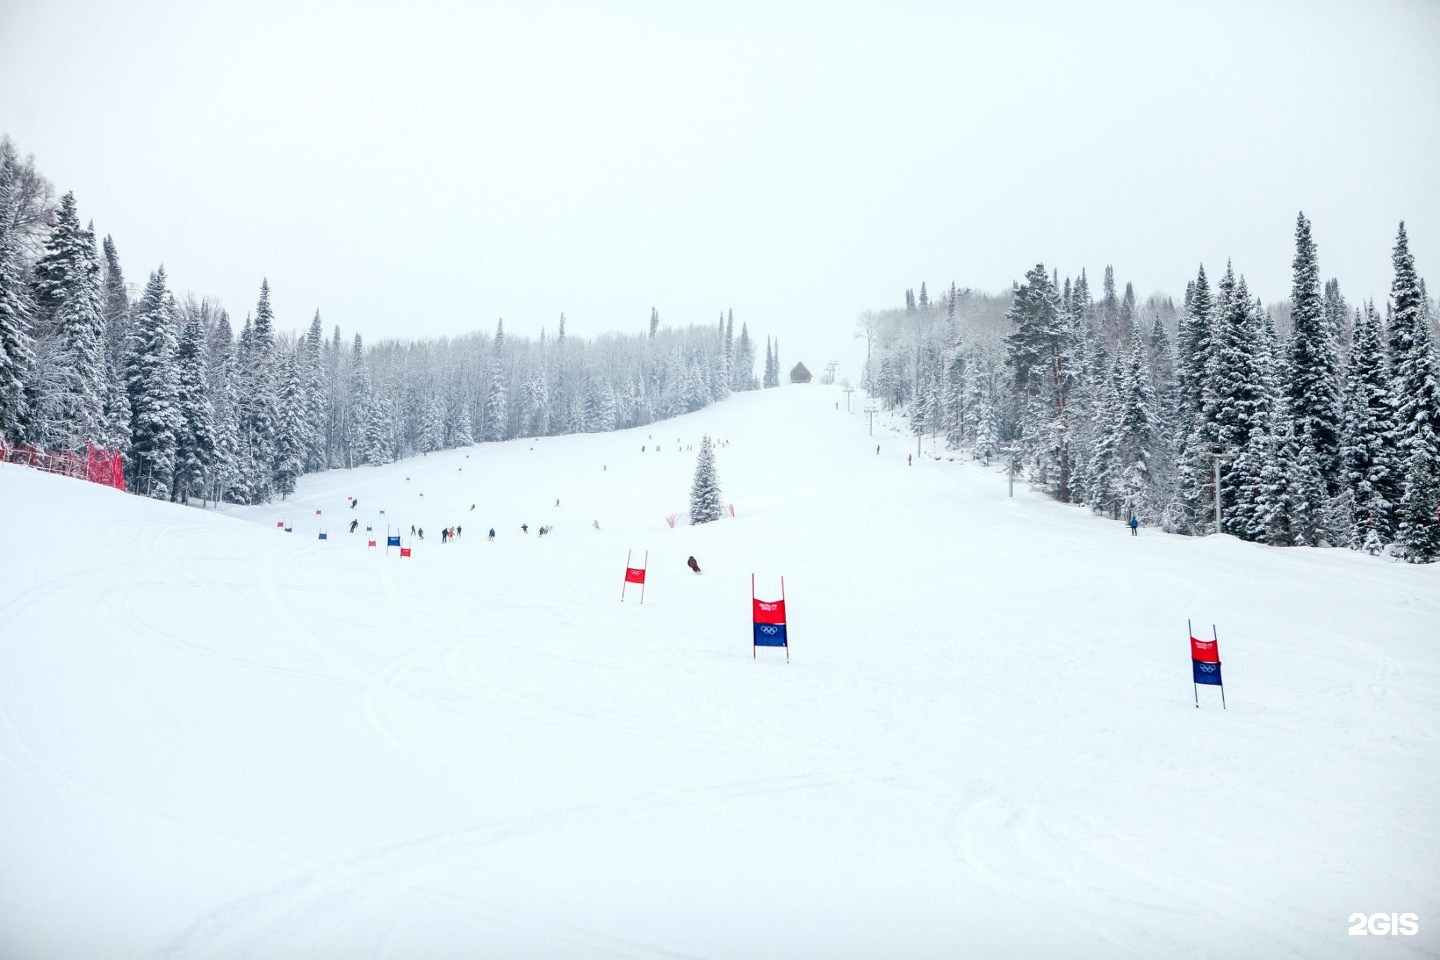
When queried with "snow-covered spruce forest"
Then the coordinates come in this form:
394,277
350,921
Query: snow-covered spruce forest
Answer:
1323,413
201,413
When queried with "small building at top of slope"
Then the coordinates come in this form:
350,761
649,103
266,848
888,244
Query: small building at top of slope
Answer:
799,374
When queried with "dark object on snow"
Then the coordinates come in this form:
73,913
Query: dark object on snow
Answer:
800,375
492,533
1134,527
354,502
524,528
693,565
472,506
353,525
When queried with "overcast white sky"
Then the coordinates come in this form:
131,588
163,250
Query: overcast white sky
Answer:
423,168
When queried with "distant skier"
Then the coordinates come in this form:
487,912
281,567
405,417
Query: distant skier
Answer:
908,461
693,565
492,534
353,525
524,528
877,449
457,529
1134,527
472,506
412,529
422,533
596,524
354,501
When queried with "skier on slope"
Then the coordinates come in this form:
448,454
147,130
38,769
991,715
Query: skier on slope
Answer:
353,525
692,564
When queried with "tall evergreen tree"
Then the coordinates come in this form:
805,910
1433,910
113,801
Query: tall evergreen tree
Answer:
1368,461
16,312
744,360
1414,387
228,479
152,382
1138,447
259,414
67,249
705,503
1415,391
497,401
291,432
1314,369
1042,355
196,439
70,403
316,388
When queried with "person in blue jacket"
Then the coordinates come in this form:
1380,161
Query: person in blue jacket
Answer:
1134,527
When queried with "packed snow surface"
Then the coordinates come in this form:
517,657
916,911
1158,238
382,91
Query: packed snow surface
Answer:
222,740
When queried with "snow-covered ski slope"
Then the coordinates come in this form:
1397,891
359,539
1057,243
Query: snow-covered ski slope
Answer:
219,740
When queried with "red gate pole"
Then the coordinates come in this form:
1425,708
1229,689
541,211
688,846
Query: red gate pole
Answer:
752,616
787,620
645,575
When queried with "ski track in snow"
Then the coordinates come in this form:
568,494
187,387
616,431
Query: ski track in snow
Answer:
480,748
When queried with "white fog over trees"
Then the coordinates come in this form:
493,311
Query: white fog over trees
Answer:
203,412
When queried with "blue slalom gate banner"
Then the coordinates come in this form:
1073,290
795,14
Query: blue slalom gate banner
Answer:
770,635
768,620
1207,672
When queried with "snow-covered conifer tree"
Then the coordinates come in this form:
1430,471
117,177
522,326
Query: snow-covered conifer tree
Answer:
705,503
1042,357
16,343
1415,392
152,382
196,440
291,432
70,402
497,396
316,387
1367,456
1314,369
259,416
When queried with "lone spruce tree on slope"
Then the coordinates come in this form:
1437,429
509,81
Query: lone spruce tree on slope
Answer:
705,493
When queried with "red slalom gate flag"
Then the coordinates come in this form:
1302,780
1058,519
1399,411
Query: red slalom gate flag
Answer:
404,551
370,543
769,611
634,575
1204,651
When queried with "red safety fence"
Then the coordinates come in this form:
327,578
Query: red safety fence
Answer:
95,464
